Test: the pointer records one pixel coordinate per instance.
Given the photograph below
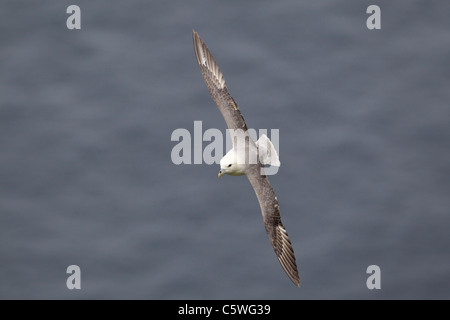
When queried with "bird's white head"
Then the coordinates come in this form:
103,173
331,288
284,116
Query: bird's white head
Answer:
229,165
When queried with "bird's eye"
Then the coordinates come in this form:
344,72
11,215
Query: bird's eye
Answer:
229,165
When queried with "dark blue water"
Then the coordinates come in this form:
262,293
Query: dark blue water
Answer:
86,176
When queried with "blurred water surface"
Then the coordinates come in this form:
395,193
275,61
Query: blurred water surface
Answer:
86,176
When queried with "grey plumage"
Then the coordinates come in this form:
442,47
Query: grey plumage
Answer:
216,85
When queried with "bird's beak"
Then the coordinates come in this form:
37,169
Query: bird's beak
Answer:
220,174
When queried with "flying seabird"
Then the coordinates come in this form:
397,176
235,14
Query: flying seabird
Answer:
248,158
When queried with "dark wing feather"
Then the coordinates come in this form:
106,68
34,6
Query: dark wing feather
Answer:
272,221
216,85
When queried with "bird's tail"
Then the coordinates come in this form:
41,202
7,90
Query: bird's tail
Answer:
266,152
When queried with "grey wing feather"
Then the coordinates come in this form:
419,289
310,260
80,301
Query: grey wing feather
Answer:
272,221
216,85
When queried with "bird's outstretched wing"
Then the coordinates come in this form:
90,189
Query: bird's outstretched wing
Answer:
216,85
272,221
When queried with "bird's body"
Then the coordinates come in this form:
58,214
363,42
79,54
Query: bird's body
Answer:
248,157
